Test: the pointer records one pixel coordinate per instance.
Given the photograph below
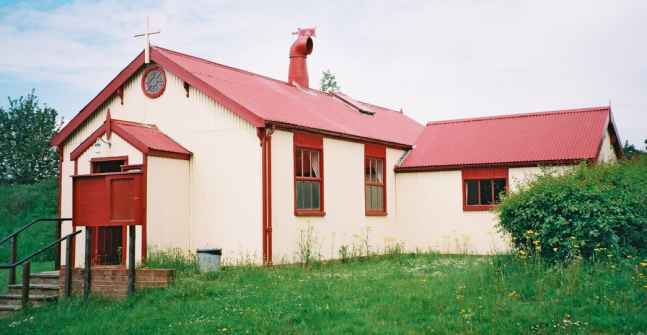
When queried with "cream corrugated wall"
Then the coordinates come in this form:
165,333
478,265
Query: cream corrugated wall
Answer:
431,216
224,173
168,201
345,223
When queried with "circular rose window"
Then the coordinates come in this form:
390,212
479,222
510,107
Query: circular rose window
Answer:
153,81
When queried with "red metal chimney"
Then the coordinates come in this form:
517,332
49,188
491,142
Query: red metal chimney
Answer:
301,48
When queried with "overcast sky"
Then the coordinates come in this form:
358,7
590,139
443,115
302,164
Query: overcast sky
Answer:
435,59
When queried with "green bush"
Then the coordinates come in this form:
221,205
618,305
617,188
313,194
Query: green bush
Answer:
21,204
589,212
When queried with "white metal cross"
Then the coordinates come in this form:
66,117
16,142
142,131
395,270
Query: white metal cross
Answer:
147,40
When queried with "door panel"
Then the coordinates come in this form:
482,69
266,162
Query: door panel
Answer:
108,200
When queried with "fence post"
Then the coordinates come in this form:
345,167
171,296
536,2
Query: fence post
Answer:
12,259
88,263
69,265
57,250
26,273
131,259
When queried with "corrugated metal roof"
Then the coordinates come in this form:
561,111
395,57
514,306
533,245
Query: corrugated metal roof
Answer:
148,139
564,135
274,100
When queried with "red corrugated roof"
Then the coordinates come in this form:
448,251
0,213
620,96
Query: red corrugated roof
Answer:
556,136
262,100
148,139
277,101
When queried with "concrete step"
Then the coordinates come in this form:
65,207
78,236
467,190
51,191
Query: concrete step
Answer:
46,277
35,299
39,289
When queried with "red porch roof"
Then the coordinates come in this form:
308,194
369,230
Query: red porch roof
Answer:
265,101
145,137
564,136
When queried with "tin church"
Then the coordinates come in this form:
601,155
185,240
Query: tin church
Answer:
198,154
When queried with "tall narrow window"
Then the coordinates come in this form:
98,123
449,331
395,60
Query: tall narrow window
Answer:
374,179
308,175
482,188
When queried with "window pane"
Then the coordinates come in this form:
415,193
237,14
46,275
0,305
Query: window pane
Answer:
499,188
367,170
308,196
315,195
374,197
486,192
300,193
379,171
306,163
314,163
299,163
471,187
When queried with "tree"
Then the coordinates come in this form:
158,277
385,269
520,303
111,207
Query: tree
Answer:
329,82
630,150
26,128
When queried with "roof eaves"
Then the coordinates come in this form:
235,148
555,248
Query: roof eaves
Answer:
425,168
333,134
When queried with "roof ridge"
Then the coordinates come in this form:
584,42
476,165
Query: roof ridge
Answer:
204,60
521,115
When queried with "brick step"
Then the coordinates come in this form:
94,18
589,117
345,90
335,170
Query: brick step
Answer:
35,299
39,289
8,309
47,278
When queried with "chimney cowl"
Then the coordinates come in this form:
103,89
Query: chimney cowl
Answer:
301,47
299,51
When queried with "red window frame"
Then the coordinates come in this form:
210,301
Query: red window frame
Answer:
375,152
306,141
482,174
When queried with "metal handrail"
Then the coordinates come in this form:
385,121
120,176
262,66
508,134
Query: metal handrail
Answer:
23,228
26,268
14,243
34,254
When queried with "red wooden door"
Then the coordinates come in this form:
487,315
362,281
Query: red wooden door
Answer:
113,199
124,198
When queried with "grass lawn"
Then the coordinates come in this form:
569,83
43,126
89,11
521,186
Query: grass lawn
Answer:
412,294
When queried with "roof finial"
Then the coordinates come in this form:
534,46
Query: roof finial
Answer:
108,125
147,41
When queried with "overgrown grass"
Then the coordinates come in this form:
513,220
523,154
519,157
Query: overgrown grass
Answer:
176,259
395,293
21,204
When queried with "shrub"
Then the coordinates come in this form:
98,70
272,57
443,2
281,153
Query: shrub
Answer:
587,212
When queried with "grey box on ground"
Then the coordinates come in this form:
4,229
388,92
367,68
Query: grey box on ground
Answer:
209,259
